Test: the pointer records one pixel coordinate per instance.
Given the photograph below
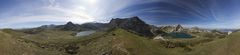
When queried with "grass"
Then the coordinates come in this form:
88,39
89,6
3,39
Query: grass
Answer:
11,44
121,42
115,42
225,46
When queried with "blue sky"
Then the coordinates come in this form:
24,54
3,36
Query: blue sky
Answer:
201,13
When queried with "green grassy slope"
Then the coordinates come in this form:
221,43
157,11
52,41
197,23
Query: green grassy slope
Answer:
121,42
12,44
114,42
227,46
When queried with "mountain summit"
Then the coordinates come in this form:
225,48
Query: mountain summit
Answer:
178,28
70,26
133,24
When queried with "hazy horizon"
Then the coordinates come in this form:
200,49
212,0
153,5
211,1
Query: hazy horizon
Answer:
189,13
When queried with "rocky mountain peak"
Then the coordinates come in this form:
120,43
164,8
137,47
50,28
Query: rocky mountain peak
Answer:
179,28
133,20
137,20
133,24
70,26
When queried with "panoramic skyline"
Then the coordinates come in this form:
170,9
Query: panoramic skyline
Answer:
201,13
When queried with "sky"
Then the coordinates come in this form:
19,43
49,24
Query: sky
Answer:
201,13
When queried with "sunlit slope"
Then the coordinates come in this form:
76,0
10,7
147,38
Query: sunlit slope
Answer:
227,46
234,44
121,42
12,44
112,42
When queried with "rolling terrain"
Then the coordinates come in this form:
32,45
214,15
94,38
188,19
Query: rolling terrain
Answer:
116,42
118,37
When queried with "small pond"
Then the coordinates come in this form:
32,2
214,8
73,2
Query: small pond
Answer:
85,33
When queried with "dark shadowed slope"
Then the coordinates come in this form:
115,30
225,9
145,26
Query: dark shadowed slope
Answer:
133,24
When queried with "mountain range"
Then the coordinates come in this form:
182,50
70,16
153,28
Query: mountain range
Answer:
121,36
132,24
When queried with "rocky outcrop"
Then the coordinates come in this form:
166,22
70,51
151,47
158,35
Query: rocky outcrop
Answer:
134,24
94,26
167,29
70,27
178,28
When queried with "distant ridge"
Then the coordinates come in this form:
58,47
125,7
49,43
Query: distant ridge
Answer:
132,24
70,26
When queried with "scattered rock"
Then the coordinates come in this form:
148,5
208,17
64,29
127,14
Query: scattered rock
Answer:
71,49
159,37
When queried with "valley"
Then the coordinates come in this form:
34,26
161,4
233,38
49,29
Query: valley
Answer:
128,36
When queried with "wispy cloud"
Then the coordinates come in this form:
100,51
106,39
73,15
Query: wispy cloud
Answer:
188,12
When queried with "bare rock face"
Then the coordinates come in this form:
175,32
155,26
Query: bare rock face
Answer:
179,28
132,24
70,26
167,29
93,26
